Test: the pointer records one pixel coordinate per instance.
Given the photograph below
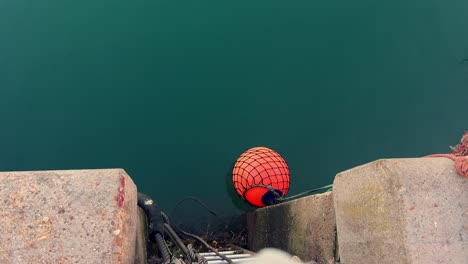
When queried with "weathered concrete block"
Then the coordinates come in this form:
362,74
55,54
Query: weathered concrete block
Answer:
141,255
304,227
70,216
402,211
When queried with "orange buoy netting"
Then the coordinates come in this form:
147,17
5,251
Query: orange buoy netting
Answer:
459,156
261,176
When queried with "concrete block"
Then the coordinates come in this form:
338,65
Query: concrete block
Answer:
69,216
304,227
402,211
141,255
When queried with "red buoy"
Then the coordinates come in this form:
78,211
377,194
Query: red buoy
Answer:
261,176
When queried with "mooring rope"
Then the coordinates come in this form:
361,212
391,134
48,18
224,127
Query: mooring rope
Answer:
309,192
459,155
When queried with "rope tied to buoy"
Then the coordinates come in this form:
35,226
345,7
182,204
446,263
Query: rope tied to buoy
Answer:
459,155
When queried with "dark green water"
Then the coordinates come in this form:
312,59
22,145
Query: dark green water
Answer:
174,91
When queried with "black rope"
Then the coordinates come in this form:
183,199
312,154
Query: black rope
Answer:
194,199
163,249
192,251
176,239
228,260
159,222
195,255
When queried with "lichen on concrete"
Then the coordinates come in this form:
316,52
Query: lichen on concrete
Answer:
304,227
401,211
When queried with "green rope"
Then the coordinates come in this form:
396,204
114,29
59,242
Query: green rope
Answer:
309,192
